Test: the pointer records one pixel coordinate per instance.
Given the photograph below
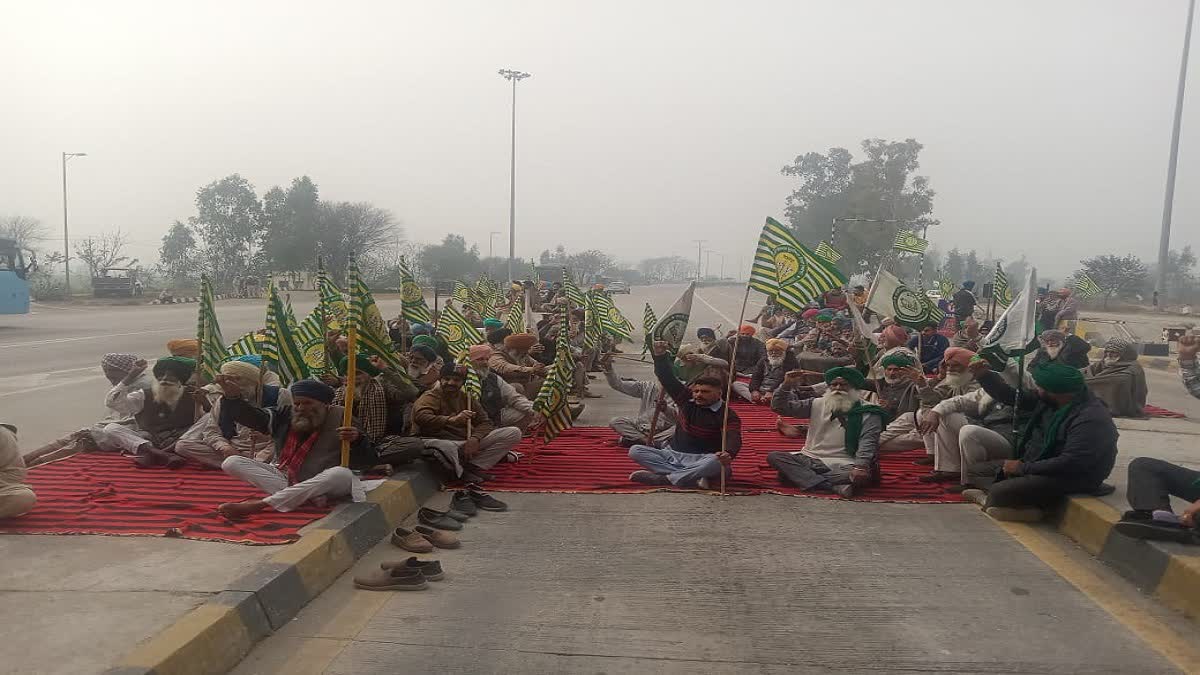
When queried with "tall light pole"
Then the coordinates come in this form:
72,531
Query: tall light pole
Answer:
491,240
513,76
722,257
699,250
66,235
1164,239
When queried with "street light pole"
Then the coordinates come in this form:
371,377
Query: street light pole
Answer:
66,235
1164,239
699,250
491,241
513,76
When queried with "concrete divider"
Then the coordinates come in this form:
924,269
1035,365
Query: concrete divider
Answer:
1170,572
214,637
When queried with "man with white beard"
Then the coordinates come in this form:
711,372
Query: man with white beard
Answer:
841,450
953,379
162,413
210,443
308,440
1058,347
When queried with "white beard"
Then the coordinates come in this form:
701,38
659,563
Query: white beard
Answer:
482,372
838,402
1111,361
775,362
1053,352
167,394
957,380
892,379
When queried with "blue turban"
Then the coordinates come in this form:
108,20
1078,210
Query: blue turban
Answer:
314,389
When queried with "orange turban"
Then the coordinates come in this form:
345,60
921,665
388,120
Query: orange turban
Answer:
188,347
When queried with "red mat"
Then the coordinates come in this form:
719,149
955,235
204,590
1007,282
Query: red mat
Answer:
1155,411
100,493
588,460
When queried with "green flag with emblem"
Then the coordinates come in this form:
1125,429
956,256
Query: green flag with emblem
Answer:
1086,287
945,284
461,293
1000,290
457,332
910,306
212,347
786,269
828,252
648,321
372,332
611,319
551,402
909,242
412,298
672,327
515,321
281,351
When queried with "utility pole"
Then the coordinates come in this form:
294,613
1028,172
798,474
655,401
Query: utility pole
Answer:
1164,239
66,235
699,252
513,76
491,241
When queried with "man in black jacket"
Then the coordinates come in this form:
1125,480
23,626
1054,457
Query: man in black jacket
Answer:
964,301
1069,445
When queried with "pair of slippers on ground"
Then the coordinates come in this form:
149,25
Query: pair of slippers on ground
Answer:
1157,525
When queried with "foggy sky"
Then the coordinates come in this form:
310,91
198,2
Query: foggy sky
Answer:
1046,123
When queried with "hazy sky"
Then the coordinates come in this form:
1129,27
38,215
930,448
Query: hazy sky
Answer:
1046,123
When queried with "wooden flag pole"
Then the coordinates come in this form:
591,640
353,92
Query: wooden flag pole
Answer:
737,336
654,418
351,374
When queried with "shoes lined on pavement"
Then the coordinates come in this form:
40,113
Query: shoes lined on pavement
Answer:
648,478
438,519
1013,514
395,579
430,569
438,538
1158,530
457,515
460,501
485,501
411,541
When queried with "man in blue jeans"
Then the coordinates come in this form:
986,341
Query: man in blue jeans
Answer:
695,454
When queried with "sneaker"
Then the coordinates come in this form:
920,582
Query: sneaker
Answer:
648,478
397,579
1013,514
438,538
461,502
844,491
430,569
1157,530
437,519
975,496
703,484
411,541
457,515
487,502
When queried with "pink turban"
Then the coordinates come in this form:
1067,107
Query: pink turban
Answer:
478,352
896,334
809,313
958,355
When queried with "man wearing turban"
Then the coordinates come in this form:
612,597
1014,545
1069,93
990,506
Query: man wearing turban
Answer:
185,347
841,450
164,412
892,340
636,429
952,379
504,405
380,397
1056,346
1068,446
516,366
209,444
126,373
750,350
768,372
307,435
1118,379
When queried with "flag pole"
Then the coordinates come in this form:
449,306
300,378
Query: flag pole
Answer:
654,418
351,376
737,336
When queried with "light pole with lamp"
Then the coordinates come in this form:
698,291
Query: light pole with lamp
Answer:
1164,238
66,236
513,76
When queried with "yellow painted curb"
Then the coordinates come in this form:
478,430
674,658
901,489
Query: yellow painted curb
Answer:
320,556
397,499
1088,521
1179,587
209,639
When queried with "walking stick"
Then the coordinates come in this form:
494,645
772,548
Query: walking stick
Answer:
729,385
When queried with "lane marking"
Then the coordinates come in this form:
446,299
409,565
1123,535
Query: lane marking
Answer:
1156,634
56,341
719,312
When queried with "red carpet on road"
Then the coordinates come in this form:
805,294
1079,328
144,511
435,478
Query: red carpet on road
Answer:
1155,411
588,460
104,494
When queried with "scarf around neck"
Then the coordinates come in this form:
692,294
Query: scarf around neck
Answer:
853,422
295,451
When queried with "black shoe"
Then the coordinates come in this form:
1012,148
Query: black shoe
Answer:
626,443
430,569
1149,529
648,478
1137,516
461,502
438,519
457,515
487,502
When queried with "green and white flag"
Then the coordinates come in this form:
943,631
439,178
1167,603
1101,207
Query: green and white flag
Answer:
372,333
551,402
910,306
611,319
212,347
908,242
1016,327
458,333
1086,287
412,298
648,321
786,269
281,351
828,252
1000,290
672,327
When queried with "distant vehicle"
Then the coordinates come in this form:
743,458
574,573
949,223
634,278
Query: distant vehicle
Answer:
617,286
934,294
14,284
116,282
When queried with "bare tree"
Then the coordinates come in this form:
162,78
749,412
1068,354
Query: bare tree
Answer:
104,251
353,227
23,229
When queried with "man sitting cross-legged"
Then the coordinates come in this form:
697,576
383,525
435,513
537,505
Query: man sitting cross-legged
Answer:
768,374
457,432
1118,379
698,452
1069,445
841,450
308,441
503,404
380,394
517,366
163,413
953,379
214,443
16,496
634,430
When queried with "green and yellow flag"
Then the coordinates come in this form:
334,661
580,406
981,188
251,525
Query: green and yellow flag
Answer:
458,333
945,284
212,347
329,314
1000,290
1086,287
461,293
611,319
910,306
786,269
473,384
364,315
516,316
281,351
648,321
574,295
246,345
908,242
551,402
412,298
828,252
